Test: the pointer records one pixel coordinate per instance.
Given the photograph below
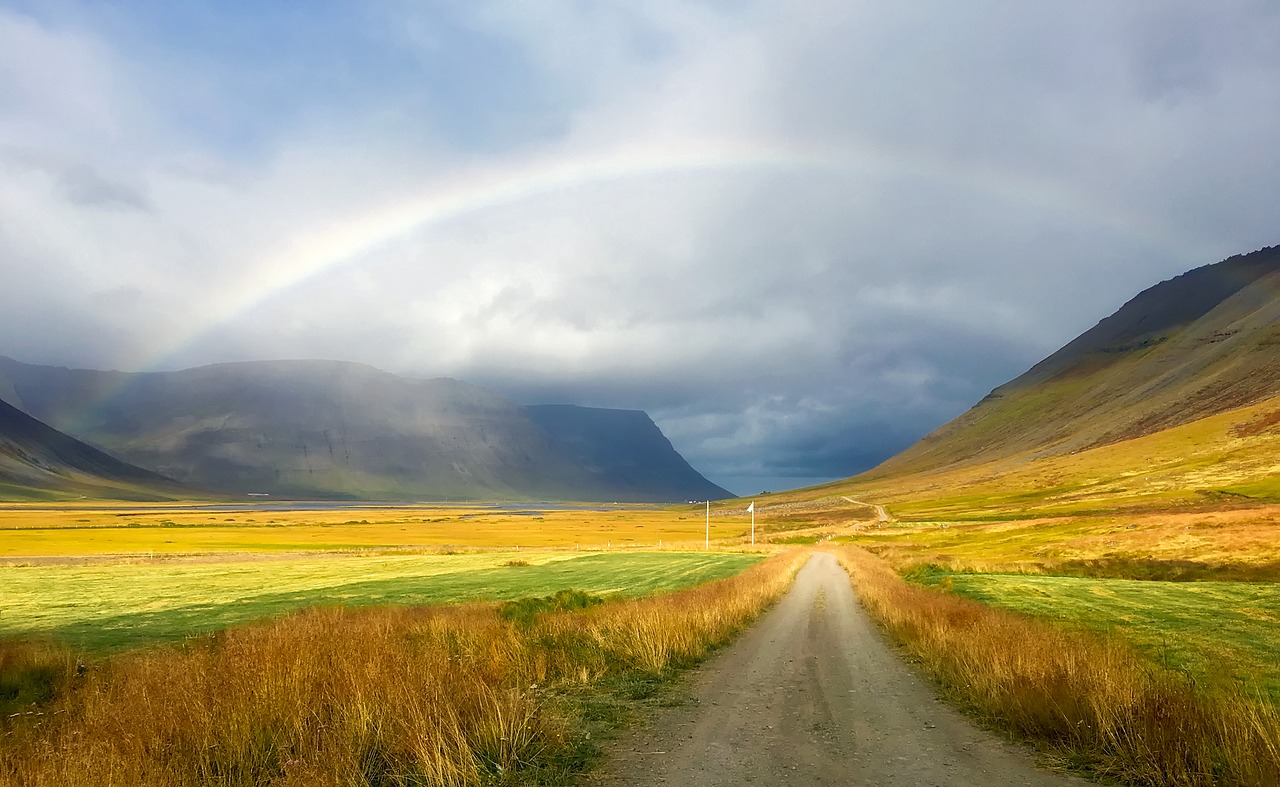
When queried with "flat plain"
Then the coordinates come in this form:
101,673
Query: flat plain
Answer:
111,605
40,531
105,577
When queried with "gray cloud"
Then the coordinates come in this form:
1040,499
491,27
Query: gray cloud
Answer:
76,182
800,237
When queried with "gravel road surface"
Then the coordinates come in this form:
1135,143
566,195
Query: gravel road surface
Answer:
812,695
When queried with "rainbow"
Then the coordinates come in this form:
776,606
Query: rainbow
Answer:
352,242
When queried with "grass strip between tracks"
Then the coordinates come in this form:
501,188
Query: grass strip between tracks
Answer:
446,695
1095,702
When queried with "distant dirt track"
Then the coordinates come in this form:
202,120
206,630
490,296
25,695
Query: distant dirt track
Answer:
813,696
882,513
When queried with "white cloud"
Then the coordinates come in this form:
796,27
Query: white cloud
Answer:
910,204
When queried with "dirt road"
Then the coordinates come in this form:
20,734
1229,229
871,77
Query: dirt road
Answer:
882,513
813,696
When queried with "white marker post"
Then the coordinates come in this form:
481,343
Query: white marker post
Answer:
708,525
752,509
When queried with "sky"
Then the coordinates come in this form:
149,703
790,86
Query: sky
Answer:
799,235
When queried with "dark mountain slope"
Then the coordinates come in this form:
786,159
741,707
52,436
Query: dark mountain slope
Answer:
1196,345
624,449
1157,313
327,429
38,461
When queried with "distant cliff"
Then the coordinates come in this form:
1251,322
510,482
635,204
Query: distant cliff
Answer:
624,452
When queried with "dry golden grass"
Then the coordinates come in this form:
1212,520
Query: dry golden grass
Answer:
1229,542
390,696
1226,460
110,606
132,530
1094,701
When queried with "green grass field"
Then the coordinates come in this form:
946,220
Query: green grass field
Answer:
108,606
1211,630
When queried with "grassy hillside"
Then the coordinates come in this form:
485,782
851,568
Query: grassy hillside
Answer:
1224,459
1171,404
1195,346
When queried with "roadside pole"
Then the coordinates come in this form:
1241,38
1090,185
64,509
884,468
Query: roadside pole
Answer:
708,525
752,509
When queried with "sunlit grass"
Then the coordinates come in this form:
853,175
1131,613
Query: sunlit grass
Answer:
1234,542
1093,700
1208,464
1214,631
135,530
455,695
112,605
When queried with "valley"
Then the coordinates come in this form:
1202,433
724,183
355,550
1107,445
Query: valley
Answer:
1117,505
100,577
1085,560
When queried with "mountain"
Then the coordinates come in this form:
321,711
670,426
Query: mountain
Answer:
39,462
1203,343
625,450
330,429
1172,404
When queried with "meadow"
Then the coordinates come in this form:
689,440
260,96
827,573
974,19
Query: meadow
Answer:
101,606
1229,543
107,576
37,531
358,645
388,695
1094,702
1215,632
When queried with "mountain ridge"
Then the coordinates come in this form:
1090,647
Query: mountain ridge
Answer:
312,428
1171,405
1190,347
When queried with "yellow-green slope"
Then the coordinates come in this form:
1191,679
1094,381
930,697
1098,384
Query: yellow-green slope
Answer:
1174,401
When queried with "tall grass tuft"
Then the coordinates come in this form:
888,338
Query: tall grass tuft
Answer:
449,695
31,673
1096,702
